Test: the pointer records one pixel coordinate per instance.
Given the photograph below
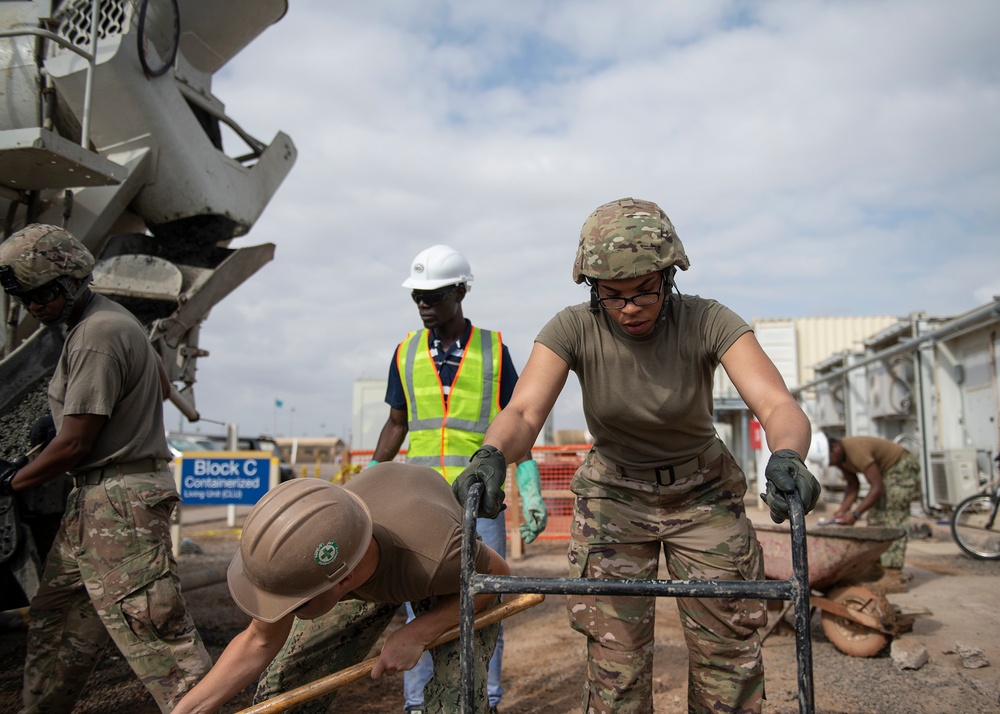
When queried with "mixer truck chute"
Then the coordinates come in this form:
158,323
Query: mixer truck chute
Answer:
109,128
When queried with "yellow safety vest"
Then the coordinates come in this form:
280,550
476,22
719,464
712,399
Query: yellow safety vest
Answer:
444,436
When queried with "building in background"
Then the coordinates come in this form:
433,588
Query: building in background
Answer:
299,450
929,383
368,414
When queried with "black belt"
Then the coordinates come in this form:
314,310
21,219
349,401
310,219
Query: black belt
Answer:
672,472
92,477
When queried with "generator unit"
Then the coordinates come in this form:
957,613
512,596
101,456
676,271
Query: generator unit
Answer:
890,387
954,475
830,405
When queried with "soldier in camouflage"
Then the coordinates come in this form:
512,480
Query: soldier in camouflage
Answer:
658,477
893,476
316,558
110,574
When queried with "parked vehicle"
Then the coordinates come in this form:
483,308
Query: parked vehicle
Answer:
180,444
215,442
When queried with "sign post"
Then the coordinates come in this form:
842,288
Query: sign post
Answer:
224,478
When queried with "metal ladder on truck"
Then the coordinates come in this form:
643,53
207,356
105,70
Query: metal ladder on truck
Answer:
796,589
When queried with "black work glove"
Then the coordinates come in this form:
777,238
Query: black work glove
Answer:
7,473
488,467
785,473
42,431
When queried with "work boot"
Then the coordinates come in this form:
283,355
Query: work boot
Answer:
894,580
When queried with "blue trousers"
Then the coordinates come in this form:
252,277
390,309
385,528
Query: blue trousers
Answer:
494,534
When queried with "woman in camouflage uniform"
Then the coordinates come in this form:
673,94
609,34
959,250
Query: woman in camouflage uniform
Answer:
658,476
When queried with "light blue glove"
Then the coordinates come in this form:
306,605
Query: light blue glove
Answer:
529,486
371,463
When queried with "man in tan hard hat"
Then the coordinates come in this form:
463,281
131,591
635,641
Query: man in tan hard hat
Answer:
317,556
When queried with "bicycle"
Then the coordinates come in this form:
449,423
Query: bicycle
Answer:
974,524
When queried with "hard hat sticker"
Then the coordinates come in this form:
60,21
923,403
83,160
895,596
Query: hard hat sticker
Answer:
418,268
326,553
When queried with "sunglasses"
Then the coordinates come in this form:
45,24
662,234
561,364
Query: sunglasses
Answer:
39,296
432,297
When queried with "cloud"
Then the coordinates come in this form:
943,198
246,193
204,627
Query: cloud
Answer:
817,158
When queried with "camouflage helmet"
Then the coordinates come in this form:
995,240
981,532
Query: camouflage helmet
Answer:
40,253
625,239
302,538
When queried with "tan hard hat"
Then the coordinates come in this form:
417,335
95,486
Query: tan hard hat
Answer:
302,537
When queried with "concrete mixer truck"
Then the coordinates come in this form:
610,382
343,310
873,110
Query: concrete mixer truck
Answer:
109,128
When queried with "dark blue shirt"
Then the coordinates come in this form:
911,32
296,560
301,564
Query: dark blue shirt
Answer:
447,362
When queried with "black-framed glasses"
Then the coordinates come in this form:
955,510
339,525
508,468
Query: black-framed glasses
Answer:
432,297
41,295
640,300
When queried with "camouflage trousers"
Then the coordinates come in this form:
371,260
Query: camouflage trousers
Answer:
346,635
618,529
902,485
111,576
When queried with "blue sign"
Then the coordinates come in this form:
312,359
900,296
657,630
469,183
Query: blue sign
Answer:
216,478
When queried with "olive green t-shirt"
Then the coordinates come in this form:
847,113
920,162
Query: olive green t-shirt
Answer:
108,368
417,523
860,452
647,399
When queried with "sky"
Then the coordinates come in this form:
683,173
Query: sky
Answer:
816,158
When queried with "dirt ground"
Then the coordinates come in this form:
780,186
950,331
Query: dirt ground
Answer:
544,657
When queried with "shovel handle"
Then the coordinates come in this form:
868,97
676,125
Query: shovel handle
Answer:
335,681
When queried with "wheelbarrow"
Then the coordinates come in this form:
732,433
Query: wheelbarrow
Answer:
795,589
856,616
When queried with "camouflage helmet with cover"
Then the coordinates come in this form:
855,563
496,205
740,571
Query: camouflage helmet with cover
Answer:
39,254
625,239
302,538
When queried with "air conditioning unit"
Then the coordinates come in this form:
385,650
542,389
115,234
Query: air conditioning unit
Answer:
954,475
890,390
830,405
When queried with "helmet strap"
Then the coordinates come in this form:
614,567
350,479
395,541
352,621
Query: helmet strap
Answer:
595,306
71,296
668,285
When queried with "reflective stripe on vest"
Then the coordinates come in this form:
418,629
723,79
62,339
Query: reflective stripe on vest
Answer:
444,437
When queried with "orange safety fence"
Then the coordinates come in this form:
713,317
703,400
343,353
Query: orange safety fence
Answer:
556,466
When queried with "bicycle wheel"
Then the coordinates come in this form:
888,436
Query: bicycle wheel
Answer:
976,527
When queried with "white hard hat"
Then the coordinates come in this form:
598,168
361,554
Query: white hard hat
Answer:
819,450
436,267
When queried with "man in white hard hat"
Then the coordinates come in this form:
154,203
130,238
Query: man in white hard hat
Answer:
446,384
893,476
317,556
